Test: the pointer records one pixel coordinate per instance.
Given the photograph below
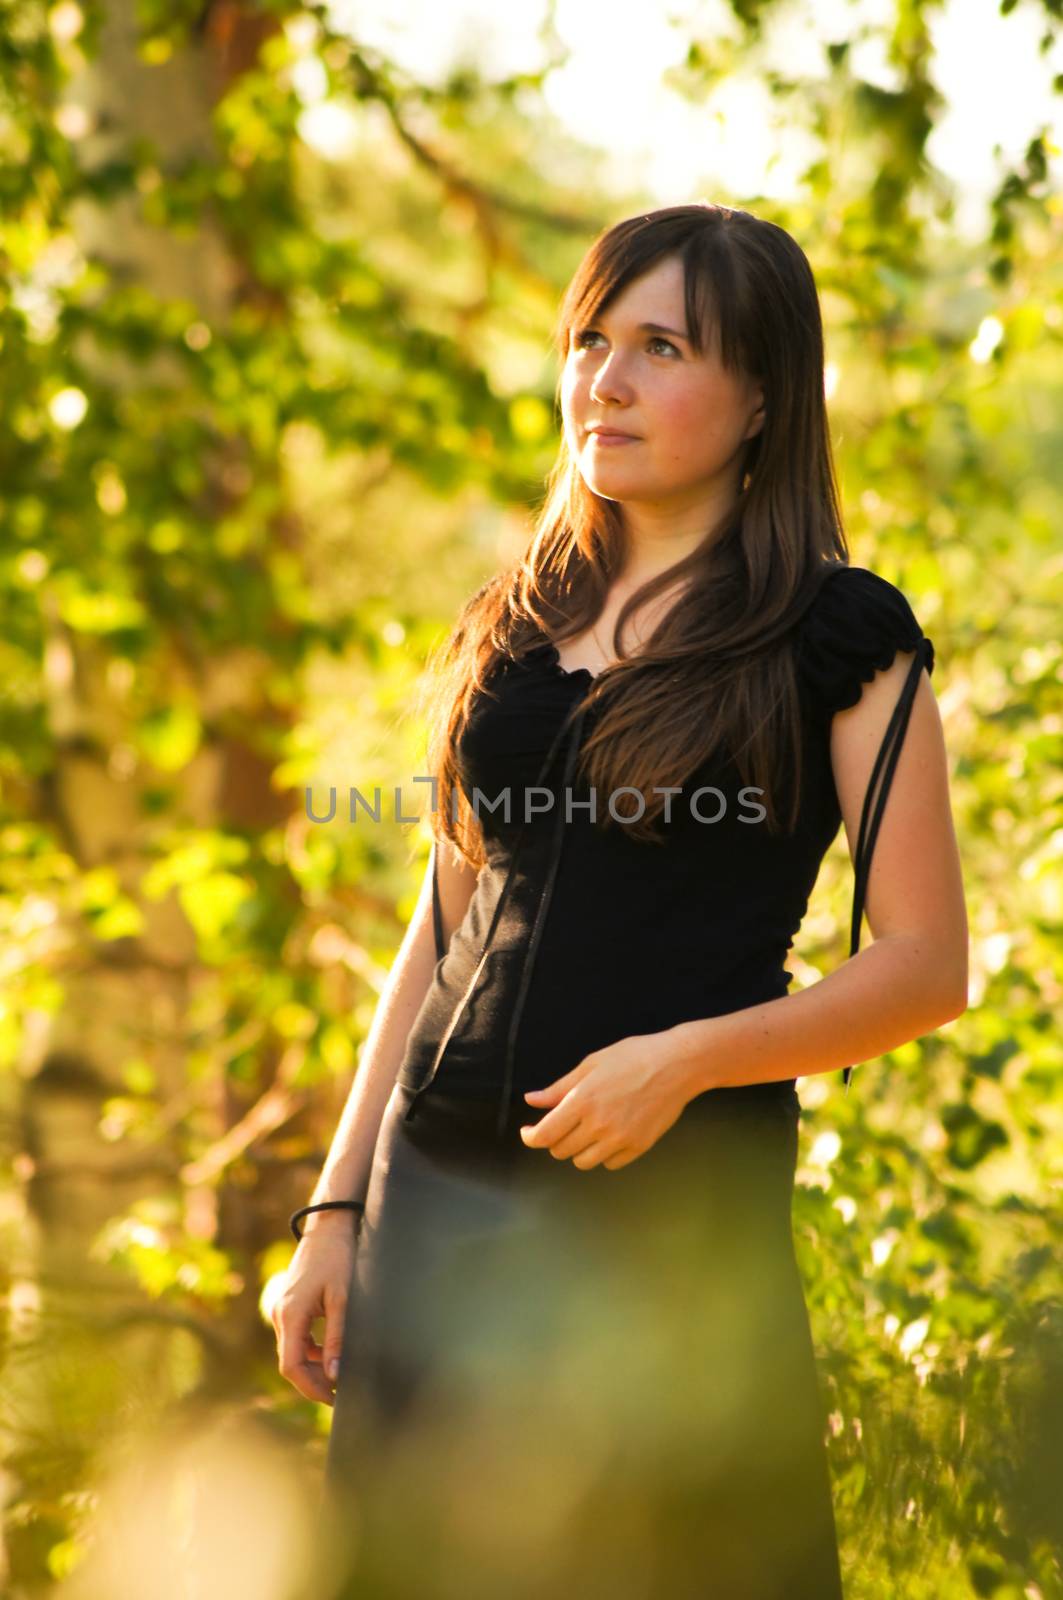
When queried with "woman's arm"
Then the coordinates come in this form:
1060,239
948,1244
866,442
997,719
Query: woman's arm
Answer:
913,977
345,1174
318,1280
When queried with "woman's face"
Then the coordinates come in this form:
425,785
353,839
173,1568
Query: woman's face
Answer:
689,417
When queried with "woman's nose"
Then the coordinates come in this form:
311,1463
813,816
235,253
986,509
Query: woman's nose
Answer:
609,384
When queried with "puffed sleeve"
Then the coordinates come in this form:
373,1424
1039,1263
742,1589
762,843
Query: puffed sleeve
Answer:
853,629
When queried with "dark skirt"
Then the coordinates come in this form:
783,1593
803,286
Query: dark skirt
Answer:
556,1380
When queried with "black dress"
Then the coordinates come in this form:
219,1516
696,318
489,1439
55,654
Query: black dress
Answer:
555,1378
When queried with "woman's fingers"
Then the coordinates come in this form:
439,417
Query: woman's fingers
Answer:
591,1154
574,1141
317,1285
299,1354
602,1154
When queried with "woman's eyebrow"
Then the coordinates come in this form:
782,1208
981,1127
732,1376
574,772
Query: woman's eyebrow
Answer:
656,327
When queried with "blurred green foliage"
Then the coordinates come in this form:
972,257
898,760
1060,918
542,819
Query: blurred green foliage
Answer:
253,393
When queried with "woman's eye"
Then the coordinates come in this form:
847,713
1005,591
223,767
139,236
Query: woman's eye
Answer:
591,333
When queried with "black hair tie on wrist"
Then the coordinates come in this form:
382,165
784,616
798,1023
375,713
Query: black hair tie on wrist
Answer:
323,1205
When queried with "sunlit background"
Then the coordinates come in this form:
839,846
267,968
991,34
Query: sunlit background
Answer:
615,88
276,395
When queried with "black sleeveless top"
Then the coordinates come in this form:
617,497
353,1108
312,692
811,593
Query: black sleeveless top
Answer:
602,936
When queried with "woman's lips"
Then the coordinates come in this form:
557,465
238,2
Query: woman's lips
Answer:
614,438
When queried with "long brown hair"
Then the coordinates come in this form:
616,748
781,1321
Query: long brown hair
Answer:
717,675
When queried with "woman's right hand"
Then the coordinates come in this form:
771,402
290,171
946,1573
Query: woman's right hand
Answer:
317,1285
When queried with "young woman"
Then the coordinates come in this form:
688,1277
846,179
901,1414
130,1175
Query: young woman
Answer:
585,1060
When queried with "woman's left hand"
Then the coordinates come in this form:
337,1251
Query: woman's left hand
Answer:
612,1107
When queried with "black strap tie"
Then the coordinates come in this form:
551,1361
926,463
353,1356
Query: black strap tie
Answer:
894,736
